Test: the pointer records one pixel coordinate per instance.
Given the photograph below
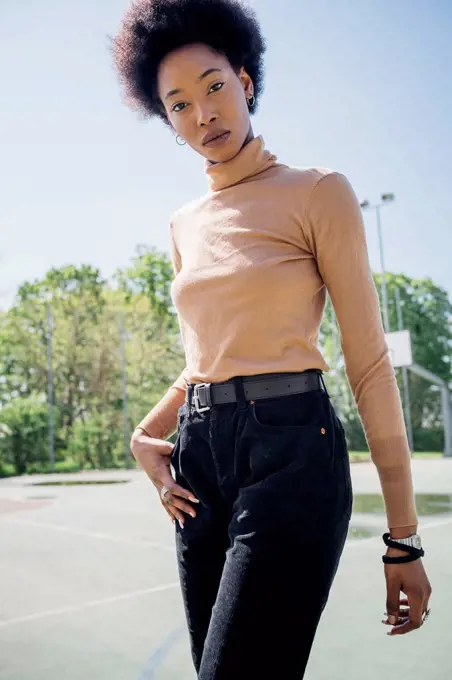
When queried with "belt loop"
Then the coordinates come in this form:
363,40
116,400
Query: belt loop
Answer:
240,393
323,383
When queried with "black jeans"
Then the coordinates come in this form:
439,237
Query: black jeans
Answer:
257,563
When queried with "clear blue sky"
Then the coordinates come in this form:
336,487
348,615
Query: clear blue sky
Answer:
361,86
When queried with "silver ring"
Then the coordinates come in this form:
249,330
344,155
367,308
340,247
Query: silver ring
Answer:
163,492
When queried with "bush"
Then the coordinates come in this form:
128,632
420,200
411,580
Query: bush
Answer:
431,439
24,433
96,442
356,440
61,466
7,470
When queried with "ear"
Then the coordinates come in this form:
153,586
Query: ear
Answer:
247,83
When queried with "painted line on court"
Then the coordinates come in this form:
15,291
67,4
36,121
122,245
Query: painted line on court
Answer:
161,653
90,534
168,548
88,605
60,502
438,523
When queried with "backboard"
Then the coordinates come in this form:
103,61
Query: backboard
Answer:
399,344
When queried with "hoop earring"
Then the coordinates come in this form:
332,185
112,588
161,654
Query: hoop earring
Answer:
182,143
251,101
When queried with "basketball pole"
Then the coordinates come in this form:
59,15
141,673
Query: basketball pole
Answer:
405,384
50,387
126,432
447,411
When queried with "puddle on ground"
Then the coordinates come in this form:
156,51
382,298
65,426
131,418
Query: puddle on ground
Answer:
41,498
77,482
372,504
427,504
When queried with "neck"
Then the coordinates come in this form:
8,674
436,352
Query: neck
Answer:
249,137
251,160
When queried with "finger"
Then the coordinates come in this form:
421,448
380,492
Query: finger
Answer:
169,513
403,628
177,515
403,606
177,490
403,602
416,601
172,511
167,480
392,597
176,502
427,596
417,607
403,613
401,620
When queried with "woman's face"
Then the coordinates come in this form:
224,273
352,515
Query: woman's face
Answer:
206,101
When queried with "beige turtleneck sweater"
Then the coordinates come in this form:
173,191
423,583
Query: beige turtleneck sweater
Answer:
254,258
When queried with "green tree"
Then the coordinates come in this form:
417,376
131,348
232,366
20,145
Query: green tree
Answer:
154,355
24,433
86,338
96,441
150,274
427,314
75,296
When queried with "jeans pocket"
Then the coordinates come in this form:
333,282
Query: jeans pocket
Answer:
271,449
291,485
293,411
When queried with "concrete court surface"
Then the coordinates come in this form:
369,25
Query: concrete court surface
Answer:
88,587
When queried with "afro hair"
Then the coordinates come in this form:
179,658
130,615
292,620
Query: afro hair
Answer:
151,29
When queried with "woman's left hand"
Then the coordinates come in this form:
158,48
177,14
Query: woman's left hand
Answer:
406,614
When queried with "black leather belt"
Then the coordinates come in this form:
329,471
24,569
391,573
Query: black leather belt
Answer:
205,395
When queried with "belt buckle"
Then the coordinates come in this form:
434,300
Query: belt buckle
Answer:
206,387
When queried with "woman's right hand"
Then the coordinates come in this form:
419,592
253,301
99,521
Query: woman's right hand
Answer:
154,456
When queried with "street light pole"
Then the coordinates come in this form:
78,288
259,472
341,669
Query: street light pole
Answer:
384,288
124,389
365,205
405,384
50,391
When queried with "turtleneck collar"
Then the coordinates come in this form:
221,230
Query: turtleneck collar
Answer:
251,160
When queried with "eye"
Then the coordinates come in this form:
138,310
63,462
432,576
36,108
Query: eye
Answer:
177,108
216,87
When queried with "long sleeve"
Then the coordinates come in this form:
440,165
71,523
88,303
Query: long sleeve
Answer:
335,232
180,384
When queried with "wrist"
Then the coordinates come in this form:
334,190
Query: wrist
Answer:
141,432
395,552
403,532
396,534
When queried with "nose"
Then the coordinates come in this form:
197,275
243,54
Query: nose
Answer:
206,117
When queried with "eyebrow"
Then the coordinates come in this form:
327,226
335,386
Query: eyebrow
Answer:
209,71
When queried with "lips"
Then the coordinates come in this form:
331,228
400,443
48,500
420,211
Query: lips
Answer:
215,135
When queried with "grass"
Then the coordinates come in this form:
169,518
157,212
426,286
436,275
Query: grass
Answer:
63,466
364,456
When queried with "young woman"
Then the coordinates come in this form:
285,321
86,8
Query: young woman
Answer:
262,495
